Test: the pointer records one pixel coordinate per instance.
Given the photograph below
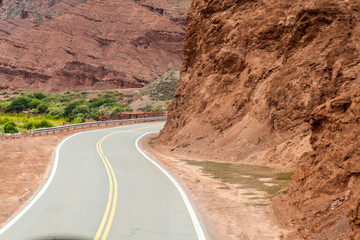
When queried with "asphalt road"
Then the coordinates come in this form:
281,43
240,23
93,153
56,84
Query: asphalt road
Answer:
103,187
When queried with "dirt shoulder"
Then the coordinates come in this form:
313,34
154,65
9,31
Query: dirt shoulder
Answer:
229,212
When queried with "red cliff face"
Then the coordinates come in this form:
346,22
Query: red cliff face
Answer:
96,45
277,83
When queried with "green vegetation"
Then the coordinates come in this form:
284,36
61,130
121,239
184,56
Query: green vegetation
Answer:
36,110
164,87
157,95
10,127
248,176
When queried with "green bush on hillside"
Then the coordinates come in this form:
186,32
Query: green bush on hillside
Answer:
42,108
45,124
39,95
81,109
56,111
34,103
10,127
4,120
19,103
30,125
78,120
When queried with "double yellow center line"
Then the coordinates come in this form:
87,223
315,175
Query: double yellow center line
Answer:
106,222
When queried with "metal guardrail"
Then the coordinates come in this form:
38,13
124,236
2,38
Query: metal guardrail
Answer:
98,123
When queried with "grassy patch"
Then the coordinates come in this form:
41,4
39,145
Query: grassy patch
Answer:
152,141
247,176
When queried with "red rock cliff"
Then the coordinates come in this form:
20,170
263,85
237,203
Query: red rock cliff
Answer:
277,83
96,45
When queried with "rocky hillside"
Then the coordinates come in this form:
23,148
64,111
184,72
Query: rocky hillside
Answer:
158,94
95,45
21,15
277,83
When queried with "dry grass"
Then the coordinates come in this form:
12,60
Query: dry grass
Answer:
247,176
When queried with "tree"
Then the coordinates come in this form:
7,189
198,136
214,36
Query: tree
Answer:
19,103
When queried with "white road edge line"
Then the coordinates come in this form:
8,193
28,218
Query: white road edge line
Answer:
198,228
42,190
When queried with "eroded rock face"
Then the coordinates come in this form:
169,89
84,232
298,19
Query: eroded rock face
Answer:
96,45
277,83
19,16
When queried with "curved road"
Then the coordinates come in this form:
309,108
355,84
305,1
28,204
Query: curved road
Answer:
102,187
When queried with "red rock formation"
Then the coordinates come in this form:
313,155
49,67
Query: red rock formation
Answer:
20,16
277,83
132,115
96,45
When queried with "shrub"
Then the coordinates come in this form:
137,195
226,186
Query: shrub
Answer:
78,120
10,127
117,110
19,103
148,108
104,111
45,124
56,111
97,102
167,103
30,125
4,120
39,95
157,108
81,109
95,116
4,105
34,103
68,111
42,108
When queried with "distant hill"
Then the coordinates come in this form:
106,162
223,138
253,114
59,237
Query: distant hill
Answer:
158,93
94,45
